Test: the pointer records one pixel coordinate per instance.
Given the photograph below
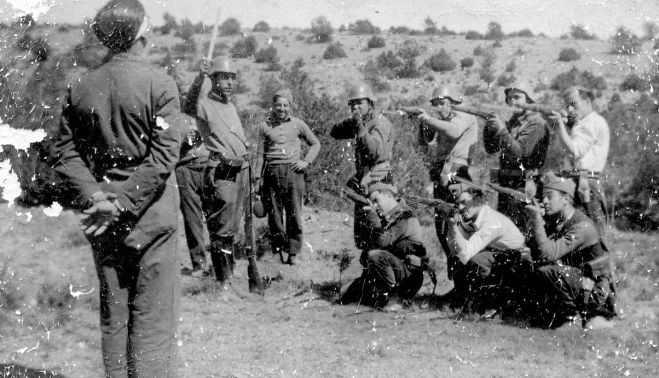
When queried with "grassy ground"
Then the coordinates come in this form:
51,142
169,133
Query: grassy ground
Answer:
296,329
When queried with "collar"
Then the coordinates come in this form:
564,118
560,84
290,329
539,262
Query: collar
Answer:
124,56
273,122
217,97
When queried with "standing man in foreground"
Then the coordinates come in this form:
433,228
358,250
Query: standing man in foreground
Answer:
455,133
522,143
227,176
575,273
118,145
374,140
588,145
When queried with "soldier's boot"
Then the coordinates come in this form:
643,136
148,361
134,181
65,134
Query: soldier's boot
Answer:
223,260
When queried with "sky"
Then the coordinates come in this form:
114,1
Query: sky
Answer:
551,17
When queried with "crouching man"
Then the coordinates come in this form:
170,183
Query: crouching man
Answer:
488,244
393,259
574,274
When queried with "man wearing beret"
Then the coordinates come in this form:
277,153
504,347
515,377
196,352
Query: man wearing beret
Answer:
280,170
227,175
120,161
485,242
574,274
394,250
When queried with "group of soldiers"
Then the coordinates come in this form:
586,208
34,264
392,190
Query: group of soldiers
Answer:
125,129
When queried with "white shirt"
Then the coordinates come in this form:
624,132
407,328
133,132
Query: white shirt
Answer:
591,139
491,229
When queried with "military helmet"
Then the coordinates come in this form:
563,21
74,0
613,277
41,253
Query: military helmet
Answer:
359,91
521,88
223,63
120,23
446,92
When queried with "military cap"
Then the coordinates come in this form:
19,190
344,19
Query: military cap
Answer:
380,186
562,184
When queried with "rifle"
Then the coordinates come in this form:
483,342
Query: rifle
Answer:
539,108
350,195
461,180
520,196
254,278
437,203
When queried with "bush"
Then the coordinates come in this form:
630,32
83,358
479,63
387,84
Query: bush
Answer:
568,54
372,75
624,42
184,49
524,33
244,47
262,27
486,72
375,42
634,82
363,27
185,31
472,34
230,27
579,32
511,66
269,56
504,80
169,23
388,61
410,50
574,77
471,90
334,51
478,51
409,69
466,62
321,30
496,44
441,62
399,30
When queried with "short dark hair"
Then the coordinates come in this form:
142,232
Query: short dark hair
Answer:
583,92
477,197
116,25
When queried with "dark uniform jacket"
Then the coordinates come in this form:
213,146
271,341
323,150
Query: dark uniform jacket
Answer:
120,132
373,149
398,232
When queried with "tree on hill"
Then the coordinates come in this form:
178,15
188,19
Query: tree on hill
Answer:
230,26
625,42
494,32
169,23
321,30
487,72
363,27
651,29
431,26
261,26
185,31
574,77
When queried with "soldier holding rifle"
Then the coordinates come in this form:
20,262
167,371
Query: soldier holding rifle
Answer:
454,133
374,140
588,145
522,143
226,178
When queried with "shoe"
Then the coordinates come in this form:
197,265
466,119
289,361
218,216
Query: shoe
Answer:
186,271
199,273
598,322
292,260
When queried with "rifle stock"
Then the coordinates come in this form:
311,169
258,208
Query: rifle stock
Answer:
539,108
473,111
437,203
348,194
520,196
253,275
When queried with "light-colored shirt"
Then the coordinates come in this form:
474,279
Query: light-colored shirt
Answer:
454,142
220,127
279,142
490,229
591,138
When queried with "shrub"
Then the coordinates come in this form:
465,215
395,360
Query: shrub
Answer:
410,50
321,30
334,51
496,44
472,34
431,27
363,27
372,75
471,90
230,27
409,69
375,42
634,82
184,48
511,66
185,31
575,77
478,51
524,33
266,55
466,62
399,30
486,72
568,54
656,45
244,47
261,26
169,24
504,80
388,61
624,42
440,62
447,31
579,32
